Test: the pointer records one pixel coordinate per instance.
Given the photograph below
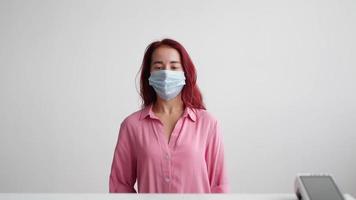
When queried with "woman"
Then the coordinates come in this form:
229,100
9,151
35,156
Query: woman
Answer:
171,145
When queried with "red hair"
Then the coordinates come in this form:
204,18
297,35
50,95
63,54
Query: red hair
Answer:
191,95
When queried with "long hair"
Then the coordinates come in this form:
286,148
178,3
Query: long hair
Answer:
191,95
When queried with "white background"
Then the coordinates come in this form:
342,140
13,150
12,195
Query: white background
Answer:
279,75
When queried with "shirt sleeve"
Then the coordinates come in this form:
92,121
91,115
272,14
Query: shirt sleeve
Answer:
215,162
123,168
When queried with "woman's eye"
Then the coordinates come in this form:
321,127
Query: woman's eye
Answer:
158,67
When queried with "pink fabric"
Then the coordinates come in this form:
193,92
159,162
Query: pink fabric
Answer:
192,161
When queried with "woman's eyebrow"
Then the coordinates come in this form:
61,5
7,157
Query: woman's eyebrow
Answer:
157,62
174,62
161,62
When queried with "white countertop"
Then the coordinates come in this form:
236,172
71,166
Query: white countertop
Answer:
99,196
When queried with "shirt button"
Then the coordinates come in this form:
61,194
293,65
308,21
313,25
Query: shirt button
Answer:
167,179
167,156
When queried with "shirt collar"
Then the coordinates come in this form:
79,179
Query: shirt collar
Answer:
147,112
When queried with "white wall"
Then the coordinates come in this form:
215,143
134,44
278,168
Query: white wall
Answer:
279,75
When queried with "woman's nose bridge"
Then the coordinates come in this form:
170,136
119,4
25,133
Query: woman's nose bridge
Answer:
167,65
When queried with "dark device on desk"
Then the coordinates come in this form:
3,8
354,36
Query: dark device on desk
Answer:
317,187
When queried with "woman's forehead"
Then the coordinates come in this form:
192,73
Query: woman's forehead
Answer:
165,52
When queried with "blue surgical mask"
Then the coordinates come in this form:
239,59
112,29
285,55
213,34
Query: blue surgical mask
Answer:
167,83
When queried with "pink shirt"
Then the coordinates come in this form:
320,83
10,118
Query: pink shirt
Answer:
191,162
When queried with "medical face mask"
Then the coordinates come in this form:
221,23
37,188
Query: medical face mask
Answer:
167,83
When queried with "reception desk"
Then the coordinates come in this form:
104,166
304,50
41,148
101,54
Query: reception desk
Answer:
98,196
